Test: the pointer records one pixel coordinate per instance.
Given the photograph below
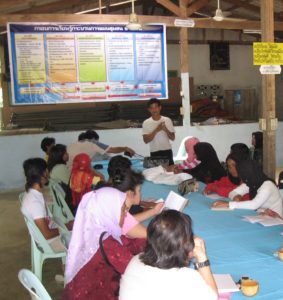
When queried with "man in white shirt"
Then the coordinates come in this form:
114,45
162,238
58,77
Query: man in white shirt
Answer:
158,131
88,143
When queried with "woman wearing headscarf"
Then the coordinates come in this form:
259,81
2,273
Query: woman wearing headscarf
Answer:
227,184
262,190
257,145
98,252
209,168
191,161
82,177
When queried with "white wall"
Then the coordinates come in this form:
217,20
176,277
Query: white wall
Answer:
242,73
15,149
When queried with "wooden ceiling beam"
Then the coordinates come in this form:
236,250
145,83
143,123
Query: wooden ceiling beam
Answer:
250,7
103,18
55,7
186,2
170,6
18,6
196,6
245,5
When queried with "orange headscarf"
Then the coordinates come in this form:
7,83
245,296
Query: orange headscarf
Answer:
81,177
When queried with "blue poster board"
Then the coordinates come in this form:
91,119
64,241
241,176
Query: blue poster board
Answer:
71,63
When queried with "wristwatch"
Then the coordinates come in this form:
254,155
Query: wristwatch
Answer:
199,265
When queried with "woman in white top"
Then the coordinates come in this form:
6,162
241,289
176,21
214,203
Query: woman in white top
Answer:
263,191
161,271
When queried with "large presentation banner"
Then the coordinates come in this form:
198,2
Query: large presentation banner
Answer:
68,63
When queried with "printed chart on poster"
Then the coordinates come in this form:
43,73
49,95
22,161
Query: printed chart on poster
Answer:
69,63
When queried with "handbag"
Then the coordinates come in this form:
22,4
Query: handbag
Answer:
151,162
187,186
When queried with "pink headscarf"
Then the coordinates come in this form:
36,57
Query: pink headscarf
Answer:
189,146
98,211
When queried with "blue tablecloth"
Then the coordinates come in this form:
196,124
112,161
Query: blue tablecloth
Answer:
234,246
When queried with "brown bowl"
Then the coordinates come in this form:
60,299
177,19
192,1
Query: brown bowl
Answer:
249,287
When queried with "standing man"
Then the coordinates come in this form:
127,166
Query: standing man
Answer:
158,131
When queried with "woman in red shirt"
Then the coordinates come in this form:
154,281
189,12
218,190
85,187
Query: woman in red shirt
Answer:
228,183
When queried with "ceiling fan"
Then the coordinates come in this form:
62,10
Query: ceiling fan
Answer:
221,15
134,24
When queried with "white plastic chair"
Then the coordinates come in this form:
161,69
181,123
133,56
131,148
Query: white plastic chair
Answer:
182,154
40,249
33,285
60,208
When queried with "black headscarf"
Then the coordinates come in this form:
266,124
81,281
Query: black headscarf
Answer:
251,174
258,139
241,150
210,168
236,158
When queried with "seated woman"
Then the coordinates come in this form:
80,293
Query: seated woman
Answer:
118,165
98,252
58,170
241,150
82,177
210,168
33,204
228,183
257,147
161,271
263,192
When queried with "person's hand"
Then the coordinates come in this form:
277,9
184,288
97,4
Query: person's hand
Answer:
207,191
159,127
270,213
199,251
157,208
169,168
163,126
70,224
196,188
147,204
130,151
238,198
220,203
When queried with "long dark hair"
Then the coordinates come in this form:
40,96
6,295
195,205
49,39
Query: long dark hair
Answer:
56,156
34,169
258,135
241,150
169,240
127,180
251,174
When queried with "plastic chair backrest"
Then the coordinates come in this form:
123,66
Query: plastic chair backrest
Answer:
61,209
40,241
65,239
21,196
33,285
182,154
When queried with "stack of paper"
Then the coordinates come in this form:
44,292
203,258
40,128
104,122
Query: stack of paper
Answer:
264,220
225,283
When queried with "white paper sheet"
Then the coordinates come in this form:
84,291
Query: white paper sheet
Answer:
225,283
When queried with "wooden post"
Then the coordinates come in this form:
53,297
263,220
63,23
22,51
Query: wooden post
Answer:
268,94
184,63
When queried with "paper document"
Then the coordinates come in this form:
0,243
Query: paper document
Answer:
221,208
264,220
174,201
225,283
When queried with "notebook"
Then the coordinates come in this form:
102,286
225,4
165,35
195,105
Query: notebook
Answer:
225,283
175,201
